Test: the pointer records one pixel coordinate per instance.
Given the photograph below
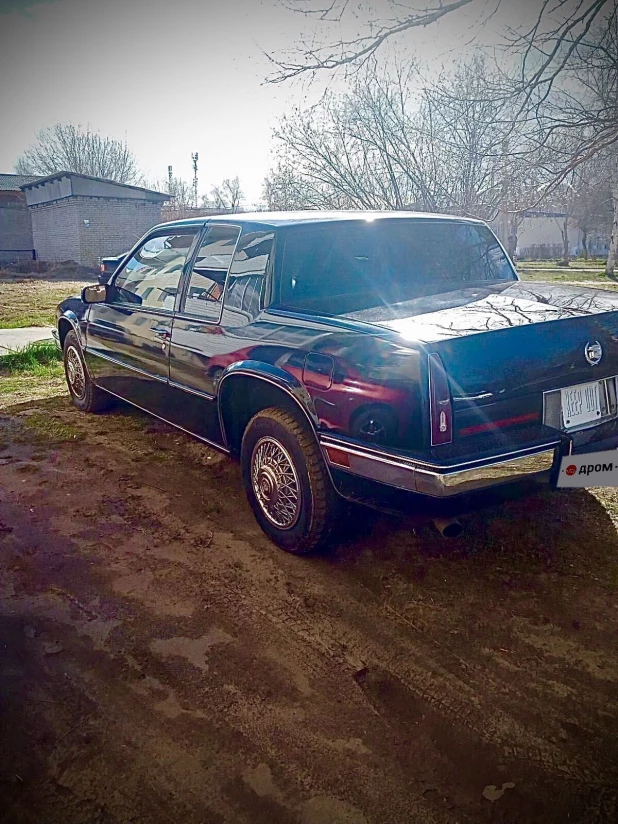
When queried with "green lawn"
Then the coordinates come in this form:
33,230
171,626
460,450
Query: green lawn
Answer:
36,371
587,272
36,359
32,302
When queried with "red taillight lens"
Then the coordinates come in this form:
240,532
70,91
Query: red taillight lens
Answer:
440,407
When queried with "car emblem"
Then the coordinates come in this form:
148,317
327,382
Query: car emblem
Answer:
593,352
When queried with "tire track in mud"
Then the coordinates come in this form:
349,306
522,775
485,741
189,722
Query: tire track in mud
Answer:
355,656
367,646
248,717
419,670
413,661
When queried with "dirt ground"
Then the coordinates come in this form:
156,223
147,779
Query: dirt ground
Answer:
161,661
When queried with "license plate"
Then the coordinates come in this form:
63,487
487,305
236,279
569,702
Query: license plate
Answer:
580,404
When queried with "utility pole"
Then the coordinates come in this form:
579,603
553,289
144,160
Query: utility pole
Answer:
169,180
194,158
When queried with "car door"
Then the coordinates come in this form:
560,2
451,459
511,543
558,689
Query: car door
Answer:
209,332
128,336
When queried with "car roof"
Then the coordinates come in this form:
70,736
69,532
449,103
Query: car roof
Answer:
277,219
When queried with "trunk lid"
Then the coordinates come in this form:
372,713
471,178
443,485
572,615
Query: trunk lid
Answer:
504,346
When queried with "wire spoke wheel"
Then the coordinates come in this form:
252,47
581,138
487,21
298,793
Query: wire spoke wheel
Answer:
76,376
275,483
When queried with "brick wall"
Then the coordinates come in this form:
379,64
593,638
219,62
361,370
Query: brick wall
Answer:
55,231
15,229
113,226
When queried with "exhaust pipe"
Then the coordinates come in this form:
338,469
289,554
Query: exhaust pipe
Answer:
448,527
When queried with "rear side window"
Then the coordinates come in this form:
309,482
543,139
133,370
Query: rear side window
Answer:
247,280
207,282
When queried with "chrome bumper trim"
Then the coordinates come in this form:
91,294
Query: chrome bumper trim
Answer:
441,481
56,338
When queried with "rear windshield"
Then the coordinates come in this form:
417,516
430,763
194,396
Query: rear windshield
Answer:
345,267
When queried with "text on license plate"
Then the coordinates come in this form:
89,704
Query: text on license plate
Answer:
580,404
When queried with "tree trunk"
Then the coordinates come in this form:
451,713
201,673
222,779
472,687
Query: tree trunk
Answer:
511,240
585,243
565,242
613,242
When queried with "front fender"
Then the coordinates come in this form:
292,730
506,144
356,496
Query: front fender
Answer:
67,319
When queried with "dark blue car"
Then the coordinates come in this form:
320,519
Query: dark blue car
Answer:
389,358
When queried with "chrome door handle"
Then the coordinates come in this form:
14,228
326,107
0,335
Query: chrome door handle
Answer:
164,334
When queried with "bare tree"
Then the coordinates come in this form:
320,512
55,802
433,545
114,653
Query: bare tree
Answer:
181,193
228,195
546,46
284,189
564,86
585,113
313,55
546,56
451,148
69,148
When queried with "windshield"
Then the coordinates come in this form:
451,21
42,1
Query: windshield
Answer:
339,268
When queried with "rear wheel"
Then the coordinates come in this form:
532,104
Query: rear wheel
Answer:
286,481
85,395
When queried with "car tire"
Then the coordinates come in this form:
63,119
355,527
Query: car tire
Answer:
85,395
287,483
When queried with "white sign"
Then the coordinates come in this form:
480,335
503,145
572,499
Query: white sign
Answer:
592,469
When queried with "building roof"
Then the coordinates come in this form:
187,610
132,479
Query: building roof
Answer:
543,213
276,219
13,183
36,181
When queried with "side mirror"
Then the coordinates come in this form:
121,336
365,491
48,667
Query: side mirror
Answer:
95,294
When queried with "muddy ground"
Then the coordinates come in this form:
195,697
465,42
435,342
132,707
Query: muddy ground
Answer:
161,661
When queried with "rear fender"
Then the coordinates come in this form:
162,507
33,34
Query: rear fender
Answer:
270,376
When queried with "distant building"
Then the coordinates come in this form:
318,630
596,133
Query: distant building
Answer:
82,218
15,226
539,236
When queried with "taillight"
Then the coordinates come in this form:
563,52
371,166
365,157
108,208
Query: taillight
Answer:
440,407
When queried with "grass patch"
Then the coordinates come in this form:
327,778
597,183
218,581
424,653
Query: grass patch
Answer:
42,359
43,427
28,388
33,303
576,263
31,373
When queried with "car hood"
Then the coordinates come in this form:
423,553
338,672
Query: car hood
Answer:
477,309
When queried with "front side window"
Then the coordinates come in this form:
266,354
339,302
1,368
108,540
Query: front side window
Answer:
151,278
205,291
346,267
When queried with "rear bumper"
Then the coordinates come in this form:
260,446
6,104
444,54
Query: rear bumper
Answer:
442,481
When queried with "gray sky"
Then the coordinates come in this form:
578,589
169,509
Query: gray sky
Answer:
171,77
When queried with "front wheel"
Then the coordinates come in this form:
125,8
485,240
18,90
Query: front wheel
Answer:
85,395
286,481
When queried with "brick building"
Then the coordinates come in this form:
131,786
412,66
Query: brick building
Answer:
15,225
83,218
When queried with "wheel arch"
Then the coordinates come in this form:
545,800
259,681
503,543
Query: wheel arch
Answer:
67,324
248,386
